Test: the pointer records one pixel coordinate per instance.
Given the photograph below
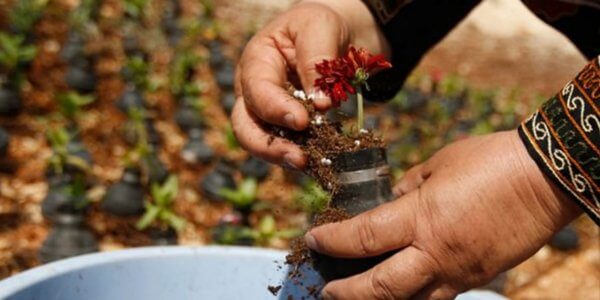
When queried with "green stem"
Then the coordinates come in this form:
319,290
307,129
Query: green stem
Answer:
359,103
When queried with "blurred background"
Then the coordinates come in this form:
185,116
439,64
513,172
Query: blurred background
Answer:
114,129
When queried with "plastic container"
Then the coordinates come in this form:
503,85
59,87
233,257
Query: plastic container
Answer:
167,273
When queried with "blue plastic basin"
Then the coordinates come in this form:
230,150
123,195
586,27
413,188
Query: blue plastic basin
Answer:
167,273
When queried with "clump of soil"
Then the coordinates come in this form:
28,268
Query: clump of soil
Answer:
299,252
274,289
323,141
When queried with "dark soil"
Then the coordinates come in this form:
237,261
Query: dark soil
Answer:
299,252
324,139
274,289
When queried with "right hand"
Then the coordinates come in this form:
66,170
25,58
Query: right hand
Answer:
286,50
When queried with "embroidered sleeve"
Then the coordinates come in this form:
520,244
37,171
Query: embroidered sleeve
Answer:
411,27
563,136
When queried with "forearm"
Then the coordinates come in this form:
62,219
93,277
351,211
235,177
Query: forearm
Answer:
563,137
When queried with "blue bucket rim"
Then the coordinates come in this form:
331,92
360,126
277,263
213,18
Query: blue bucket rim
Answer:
15,283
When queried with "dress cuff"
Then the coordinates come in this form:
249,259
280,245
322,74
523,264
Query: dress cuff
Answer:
563,137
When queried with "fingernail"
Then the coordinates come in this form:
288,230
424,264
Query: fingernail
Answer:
290,120
310,241
290,160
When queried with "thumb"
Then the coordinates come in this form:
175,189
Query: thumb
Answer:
316,42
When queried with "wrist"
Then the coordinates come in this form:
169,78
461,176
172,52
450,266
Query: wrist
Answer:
547,201
364,30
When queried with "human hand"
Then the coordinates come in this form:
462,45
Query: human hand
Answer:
475,209
286,50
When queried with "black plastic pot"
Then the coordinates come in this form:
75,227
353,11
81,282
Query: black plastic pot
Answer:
365,184
566,239
225,76
255,168
10,101
78,149
126,197
68,237
73,47
196,151
163,236
132,98
219,178
4,140
188,117
81,79
217,59
154,169
59,200
228,101
230,229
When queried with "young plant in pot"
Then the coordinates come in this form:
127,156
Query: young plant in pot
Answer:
221,177
159,220
351,165
14,58
196,150
23,15
65,207
242,198
255,168
4,140
125,197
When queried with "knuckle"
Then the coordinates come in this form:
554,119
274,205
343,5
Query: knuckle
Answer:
367,241
381,285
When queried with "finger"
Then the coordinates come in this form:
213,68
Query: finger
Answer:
262,82
398,277
253,138
316,42
385,228
436,290
411,180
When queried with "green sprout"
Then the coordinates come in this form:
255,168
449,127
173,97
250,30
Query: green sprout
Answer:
14,54
161,210
182,67
242,197
138,70
71,103
81,17
59,140
312,198
135,8
267,231
25,14
230,139
137,128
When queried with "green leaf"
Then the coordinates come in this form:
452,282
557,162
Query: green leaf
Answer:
267,226
288,233
173,220
148,218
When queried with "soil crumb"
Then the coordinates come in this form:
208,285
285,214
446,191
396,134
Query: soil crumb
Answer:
274,289
323,141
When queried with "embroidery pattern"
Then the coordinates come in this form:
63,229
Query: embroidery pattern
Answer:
563,136
386,10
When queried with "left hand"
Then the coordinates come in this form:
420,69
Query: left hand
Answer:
475,209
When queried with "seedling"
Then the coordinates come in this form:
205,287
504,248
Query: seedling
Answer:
230,139
181,73
14,55
243,196
160,212
137,70
25,14
62,157
267,231
312,198
135,8
71,103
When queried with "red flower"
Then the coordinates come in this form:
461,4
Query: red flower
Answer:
342,76
362,59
